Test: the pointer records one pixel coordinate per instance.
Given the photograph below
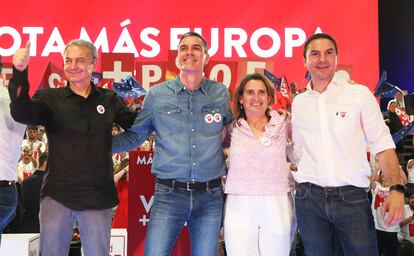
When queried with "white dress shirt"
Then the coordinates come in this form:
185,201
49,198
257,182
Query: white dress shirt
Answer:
11,136
331,131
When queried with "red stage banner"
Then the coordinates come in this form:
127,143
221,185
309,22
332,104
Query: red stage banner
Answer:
141,196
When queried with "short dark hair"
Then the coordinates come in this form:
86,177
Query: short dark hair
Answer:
191,33
319,36
32,127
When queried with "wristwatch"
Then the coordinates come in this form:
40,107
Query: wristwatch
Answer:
398,187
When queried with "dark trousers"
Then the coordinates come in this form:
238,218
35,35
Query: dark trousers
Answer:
387,243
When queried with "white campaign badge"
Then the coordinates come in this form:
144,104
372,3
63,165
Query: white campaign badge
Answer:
217,117
265,141
209,118
100,109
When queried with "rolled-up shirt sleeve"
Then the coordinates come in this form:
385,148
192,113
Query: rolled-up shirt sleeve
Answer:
376,131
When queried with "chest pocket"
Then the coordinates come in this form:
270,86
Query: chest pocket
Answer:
346,122
212,120
173,117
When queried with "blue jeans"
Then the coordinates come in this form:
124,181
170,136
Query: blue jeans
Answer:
8,204
343,213
56,229
172,207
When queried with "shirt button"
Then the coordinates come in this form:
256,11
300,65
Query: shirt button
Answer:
194,164
194,146
192,129
191,113
168,112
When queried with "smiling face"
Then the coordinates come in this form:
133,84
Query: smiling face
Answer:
392,106
78,65
255,99
192,56
321,60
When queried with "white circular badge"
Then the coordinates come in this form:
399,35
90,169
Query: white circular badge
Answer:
217,117
209,118
100,109
265,141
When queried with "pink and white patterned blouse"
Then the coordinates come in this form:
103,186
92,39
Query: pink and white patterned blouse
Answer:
259,166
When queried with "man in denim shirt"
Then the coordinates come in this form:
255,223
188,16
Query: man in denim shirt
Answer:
188,114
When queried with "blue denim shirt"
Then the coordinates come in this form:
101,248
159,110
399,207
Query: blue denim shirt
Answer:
188,126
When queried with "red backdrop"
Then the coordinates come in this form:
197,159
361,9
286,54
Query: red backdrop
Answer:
242,35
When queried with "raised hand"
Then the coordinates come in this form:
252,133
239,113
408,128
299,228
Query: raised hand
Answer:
22,57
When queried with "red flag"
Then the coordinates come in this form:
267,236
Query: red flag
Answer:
284,90
283,99
53,77
402,115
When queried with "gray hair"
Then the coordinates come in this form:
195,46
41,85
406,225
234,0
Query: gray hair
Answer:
83,43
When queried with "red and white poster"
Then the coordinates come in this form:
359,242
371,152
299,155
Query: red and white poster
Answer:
140,199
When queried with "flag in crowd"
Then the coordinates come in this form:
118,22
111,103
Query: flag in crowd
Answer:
53,77
275,80
129,88
283,94
398,136
385,89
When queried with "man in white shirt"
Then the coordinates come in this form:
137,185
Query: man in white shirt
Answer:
11,135
31,141
332,123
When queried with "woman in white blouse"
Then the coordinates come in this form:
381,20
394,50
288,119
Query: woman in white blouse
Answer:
259,212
